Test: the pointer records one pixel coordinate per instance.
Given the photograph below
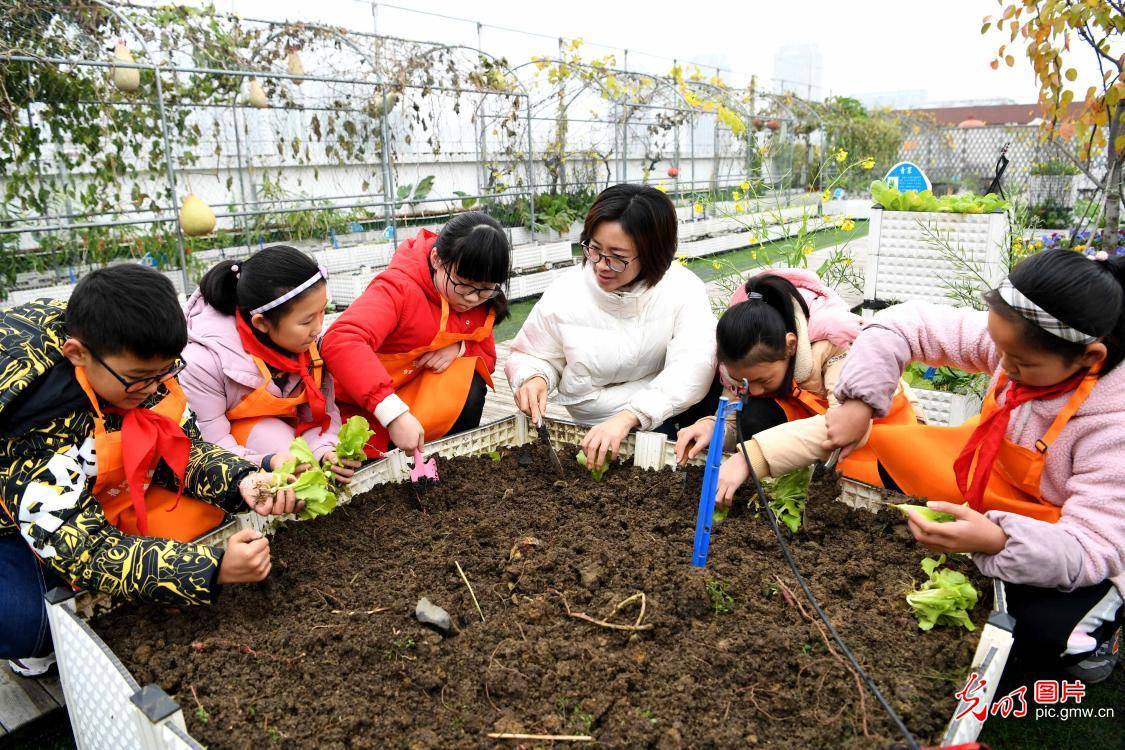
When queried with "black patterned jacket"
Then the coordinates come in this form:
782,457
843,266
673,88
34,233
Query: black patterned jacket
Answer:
48,469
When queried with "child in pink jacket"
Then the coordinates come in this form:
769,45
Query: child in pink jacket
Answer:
1037,484
253,376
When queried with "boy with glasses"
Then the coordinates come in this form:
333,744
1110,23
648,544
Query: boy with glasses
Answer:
104,479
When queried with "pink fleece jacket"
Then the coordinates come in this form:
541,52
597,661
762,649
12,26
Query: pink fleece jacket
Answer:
219,374
829,316
1085,469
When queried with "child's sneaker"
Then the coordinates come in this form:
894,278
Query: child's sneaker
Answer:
1098,666
32,666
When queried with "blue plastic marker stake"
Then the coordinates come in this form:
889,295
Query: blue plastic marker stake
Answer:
705,516
332,238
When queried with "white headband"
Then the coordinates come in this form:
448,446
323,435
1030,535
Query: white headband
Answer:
321,274
1040,317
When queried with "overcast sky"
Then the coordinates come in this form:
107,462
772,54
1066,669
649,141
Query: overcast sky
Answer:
866,45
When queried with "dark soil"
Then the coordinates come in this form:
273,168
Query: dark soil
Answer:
327,653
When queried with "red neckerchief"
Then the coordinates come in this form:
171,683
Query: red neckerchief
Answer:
146,436
984,443
301,365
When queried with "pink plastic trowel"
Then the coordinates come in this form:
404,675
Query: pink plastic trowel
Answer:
423,469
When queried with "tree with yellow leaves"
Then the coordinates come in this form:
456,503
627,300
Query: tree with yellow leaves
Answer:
1057,35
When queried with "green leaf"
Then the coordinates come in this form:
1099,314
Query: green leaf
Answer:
312,487
928,513
423,189
303,453
353,436
404,191
596,473
944,599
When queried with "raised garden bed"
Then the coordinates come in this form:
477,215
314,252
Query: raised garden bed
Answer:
327,653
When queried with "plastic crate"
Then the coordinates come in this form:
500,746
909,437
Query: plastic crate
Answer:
345,288
538,256
943,408
903,263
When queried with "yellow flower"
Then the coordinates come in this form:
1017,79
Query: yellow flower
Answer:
698,207
1038,244
763,150
745,185
826,196
662,187
682,261
753,256
807,249
738,208
1017,241
1078,248
841,155
737,195
868,163
847,225
716,265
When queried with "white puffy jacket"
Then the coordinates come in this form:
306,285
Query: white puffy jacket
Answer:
648,350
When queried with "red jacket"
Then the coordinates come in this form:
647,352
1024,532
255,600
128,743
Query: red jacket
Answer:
399,311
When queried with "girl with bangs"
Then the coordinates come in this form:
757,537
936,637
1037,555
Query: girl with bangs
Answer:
414,354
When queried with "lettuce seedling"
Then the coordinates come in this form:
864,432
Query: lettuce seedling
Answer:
927,513
788,494
311,486
351,439
595,472
944,599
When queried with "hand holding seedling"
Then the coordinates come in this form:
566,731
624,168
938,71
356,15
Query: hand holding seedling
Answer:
970,531
847,426
733,473
693,439
256,491
439,360
531,398
604,440
247,558
342,469
407,433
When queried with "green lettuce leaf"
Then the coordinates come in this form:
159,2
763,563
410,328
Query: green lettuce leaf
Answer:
596,473
927,513
353,435
945,598
301,450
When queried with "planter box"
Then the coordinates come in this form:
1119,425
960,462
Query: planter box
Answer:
538,256
345,288
530,285
944,408
904,264
109,710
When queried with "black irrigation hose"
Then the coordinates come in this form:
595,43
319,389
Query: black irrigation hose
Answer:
911,743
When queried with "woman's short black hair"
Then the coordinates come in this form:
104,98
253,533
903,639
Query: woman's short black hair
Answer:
648,216
127,309
258,280
475,246
759,323
1083,293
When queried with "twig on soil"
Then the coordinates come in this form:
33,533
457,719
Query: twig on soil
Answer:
354,612
195,697
542,737
611,625
792,599
757,707
470,588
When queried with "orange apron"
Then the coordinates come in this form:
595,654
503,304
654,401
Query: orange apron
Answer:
920,459
261,403
185,520
435,398
861,465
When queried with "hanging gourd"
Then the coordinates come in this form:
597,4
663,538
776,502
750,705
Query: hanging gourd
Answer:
257,95
125,79
296,67
196,217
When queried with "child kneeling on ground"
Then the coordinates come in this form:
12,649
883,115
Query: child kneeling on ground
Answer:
104,478
1036,484
254,377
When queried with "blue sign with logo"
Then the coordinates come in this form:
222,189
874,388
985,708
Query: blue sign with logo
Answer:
908,176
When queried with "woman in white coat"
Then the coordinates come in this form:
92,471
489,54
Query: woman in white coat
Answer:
628,338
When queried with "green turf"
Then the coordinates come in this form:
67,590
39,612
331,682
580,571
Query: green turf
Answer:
742,259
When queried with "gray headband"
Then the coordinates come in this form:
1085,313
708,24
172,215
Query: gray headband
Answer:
1040,317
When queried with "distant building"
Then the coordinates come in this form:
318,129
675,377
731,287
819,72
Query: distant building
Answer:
799,68
988,113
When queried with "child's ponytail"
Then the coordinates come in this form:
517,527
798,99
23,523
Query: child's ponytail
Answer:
219,286
755,330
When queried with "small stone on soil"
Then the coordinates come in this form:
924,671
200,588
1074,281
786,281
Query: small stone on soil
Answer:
434,616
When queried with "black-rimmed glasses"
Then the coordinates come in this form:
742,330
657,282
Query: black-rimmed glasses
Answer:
136,386
617,265
467,289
